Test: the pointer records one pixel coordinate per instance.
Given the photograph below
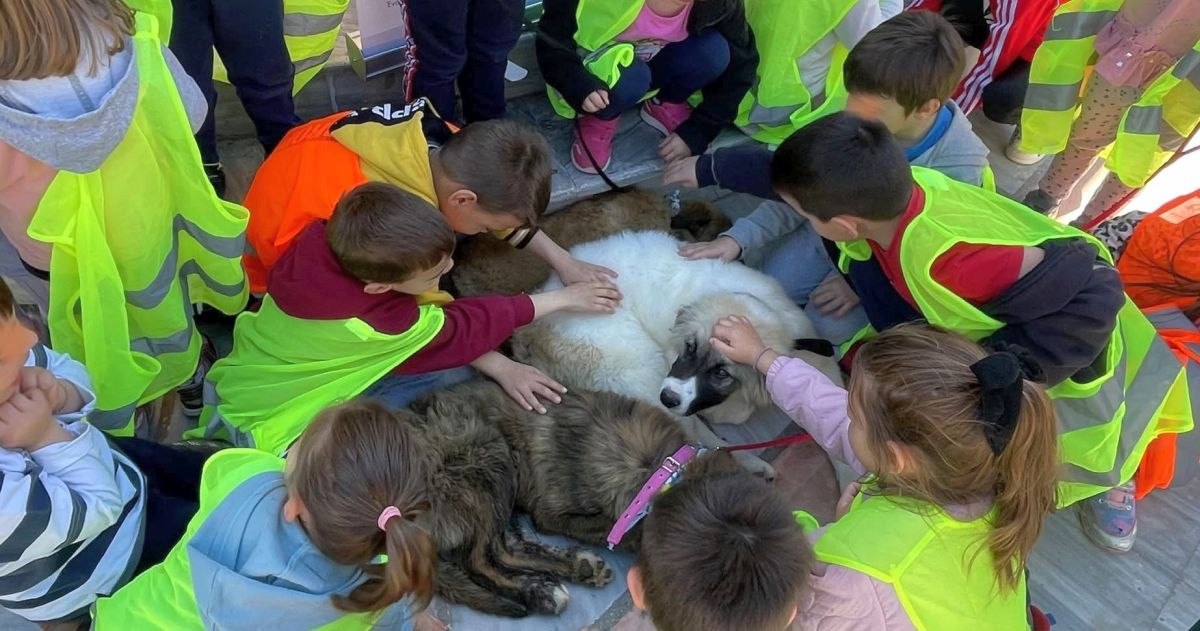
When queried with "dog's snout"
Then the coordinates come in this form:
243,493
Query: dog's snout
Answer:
669,398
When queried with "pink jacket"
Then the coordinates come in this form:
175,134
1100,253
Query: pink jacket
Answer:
839,598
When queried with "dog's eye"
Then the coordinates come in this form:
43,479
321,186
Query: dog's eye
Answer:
690,347
721,373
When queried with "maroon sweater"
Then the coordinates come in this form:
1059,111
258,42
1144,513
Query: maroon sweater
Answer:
308,283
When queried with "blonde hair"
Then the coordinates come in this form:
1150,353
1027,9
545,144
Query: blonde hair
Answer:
354,461
914,385
48,38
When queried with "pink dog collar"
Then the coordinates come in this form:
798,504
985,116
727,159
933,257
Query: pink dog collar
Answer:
662,477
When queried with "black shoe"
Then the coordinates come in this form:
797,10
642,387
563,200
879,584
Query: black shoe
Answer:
1041,201
191,394
216,177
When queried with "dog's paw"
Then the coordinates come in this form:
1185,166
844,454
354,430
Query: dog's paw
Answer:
591,570
755,465
546,596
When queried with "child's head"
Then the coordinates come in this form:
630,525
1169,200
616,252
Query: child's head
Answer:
15,341
937,417
356,481
841,171
390,239
493,175
720,553
49,38
902,71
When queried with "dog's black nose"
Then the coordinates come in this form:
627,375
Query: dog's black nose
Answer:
668,398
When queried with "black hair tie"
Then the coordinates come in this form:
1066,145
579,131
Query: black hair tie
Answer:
1000,391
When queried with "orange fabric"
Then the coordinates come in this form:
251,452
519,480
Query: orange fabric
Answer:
300,182
1157,468
1161,263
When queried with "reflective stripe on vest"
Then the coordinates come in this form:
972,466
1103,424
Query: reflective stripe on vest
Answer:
1057,73
598,22
164,596
284,370
310,32
1157,125
778,103
121,300
1105,424
940,568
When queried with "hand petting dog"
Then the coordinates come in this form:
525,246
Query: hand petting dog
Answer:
737,339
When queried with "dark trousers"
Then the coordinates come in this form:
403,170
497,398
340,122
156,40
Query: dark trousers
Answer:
172,493
465,42
1004,98
677,71
248,34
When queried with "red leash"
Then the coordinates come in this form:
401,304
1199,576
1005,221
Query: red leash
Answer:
778,442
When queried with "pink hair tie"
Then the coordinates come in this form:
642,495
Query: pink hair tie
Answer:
388,513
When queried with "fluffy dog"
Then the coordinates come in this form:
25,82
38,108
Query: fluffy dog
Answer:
655,348
573,470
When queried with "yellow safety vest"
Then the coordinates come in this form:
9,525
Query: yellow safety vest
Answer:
135,244
284,370
778,103
310,31
597,23
1151,129
164,596
941,568
1104,425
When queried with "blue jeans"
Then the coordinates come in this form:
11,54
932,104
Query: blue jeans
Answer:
799,261
248,34
399,391
677,71
465,42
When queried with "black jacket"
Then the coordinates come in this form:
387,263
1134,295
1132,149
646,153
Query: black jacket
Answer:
562,67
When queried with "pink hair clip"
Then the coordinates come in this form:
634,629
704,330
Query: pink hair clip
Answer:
388,513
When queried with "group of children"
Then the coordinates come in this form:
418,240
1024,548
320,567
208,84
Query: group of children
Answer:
990,349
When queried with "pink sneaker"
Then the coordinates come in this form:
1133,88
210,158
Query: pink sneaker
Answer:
665,117
598,134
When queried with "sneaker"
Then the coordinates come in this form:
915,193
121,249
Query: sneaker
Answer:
598,134
216,176
1110,519
665,117
1041,201
191,394
1014,154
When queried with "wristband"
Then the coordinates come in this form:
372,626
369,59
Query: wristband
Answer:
759,356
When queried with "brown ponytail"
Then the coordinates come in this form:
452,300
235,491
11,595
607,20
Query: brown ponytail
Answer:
48,38
353,462
913,385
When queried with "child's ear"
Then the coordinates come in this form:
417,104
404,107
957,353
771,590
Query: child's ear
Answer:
293,508
847,225
901,459
376,288
463,197
792,618
929,108
633,581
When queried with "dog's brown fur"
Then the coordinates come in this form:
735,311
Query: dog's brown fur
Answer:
573,470
485,266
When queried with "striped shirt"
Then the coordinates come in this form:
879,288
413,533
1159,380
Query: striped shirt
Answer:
71,515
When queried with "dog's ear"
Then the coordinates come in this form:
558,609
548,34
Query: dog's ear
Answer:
815,345
685,315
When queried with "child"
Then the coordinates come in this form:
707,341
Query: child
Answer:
94,106
963,461
720,553
297,545
355,300
463,42
799,77
917,244
492,176
75,505
902,73
602,59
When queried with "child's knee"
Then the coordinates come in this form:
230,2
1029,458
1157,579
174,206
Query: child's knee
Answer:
630,88
713,48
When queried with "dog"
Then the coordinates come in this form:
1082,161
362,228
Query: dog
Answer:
656,348
574,470
486,266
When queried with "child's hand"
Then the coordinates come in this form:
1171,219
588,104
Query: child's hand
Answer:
574,271
723,248
524,383
834,296
27,422
673,148
682,173
734,337
595,101
590,297
846,500
34,378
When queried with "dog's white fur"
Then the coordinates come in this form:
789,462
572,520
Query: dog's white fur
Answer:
665,296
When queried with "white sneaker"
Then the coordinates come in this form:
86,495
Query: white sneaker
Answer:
1014,154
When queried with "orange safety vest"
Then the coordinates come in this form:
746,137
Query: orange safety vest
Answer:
299,183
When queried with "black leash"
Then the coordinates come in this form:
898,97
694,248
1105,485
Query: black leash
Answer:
592,159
